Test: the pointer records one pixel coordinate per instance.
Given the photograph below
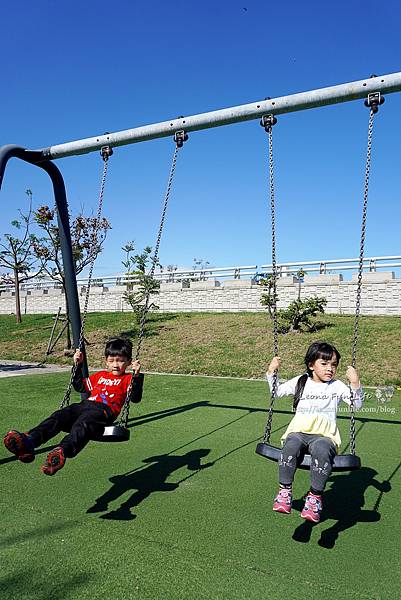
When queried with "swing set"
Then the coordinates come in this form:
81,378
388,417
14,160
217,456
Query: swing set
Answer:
371,90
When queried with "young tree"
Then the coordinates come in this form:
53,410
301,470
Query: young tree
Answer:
143,285
87,238
171,269
300,276
269,299
17,255
202,265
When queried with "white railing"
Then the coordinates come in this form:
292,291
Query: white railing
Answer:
324,267
255,272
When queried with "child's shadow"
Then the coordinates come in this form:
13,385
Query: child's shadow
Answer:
146,481
344,502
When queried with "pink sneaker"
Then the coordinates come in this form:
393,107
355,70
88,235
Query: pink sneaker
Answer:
313,508
282,502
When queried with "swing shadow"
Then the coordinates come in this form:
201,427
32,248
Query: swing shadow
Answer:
343,502
147,481
27,584
14,539
148,418
161,414
152,479
155,416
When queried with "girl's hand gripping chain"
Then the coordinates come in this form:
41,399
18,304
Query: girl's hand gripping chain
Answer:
353,377
274,365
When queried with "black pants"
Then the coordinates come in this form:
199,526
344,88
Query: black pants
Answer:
83,421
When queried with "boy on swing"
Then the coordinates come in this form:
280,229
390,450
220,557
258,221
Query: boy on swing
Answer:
87,419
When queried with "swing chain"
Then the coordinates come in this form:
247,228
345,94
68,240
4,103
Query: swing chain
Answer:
179,138
105,152
267,122
373,102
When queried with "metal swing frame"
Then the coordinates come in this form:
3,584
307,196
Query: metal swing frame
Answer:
376,84
342,462
42,158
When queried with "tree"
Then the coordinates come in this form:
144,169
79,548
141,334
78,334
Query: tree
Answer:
202,265
298,315
143,285
269,299
17,254
300,276
171,269
87,238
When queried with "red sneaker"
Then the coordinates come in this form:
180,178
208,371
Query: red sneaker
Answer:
55,461
19,444
282,502
313,508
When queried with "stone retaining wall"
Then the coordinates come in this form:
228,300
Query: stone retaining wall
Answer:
381,295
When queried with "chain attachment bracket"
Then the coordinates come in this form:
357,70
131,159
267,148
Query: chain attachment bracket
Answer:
267,121
106,152
180,137
373,101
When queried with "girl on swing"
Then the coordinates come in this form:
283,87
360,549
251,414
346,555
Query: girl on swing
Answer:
313,429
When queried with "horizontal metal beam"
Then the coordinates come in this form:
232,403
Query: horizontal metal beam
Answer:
385,84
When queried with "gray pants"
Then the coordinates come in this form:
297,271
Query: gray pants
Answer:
322,451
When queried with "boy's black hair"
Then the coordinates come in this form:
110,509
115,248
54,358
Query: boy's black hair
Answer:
315,351
119,346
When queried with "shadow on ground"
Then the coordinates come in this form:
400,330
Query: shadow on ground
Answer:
146,481
343,502
26,584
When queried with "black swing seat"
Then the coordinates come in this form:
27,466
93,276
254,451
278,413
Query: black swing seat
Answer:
114,433
342,462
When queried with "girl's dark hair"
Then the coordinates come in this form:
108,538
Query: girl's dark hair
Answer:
315,351
119,346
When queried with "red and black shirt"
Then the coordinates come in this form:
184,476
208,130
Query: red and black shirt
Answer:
109,389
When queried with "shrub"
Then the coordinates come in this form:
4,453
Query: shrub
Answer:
299,314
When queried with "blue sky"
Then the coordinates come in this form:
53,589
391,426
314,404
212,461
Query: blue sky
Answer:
76,69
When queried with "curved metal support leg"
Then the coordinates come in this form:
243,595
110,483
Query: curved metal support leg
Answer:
36,158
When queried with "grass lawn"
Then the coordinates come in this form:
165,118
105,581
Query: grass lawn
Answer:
236,344
183,510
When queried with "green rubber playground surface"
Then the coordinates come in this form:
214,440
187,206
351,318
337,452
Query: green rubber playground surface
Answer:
183,510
